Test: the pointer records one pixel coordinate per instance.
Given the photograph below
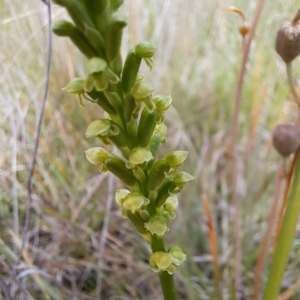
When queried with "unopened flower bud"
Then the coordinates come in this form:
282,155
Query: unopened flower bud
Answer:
171,204
244,28
96,155
95,65
178,256
176,158
162,261
102,127
142,90
75,86
162,129
145,50
287,43
63,28
121,195
162,103
157,225
286,139
138,158
181,178
117,20
134,201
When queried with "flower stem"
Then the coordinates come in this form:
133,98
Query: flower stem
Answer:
166,280
285,240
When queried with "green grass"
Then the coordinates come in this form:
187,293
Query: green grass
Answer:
197,58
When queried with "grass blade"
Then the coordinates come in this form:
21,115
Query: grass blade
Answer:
285,240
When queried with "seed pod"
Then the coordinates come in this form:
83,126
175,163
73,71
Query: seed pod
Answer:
101,100
116,65
95,8
65,28
137,221
287,43
113,35
117,166
155,143
132,130
130,71
157,174
77,12
96,40
244,28
146,127
113,99
286,139
129,106
120,140
164,191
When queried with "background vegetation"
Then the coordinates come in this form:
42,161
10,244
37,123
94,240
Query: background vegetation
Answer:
197,58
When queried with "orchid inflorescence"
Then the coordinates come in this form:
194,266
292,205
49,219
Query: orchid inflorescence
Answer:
133,121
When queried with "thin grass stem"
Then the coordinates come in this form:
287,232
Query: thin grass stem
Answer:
233,139
39,126
213,244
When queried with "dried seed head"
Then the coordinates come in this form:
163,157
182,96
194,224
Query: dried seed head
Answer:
286,139
287,43
244,28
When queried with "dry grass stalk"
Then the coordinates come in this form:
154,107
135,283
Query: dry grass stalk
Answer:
39,126
233,139
212,237
288,293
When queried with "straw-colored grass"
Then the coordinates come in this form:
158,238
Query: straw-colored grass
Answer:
197,59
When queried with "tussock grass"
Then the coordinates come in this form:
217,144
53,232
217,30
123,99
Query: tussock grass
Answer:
197,59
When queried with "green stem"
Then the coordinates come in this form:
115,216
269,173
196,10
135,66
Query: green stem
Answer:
166,280
286,238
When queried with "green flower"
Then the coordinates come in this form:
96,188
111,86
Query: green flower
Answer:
176,158
96,155
142,92
98,75
157,225
139,158
178,256
75,86
134,201
170,206
102,127
162,261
